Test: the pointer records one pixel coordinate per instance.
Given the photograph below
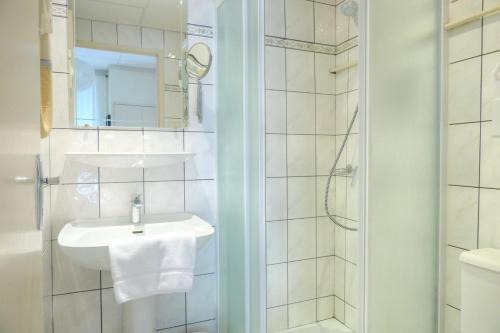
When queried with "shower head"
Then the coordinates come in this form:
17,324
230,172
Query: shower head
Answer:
350,8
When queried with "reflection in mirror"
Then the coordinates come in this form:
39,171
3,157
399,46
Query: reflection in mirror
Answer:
128,63
115,89
198,62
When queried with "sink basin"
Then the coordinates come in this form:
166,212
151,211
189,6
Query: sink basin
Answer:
86,241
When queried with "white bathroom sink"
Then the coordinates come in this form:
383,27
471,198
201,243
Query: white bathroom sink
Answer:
86,241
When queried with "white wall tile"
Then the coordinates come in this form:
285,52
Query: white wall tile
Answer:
451,320
302,313
489,217
341,115
206,257
276,199
464,91
464,42
209,326
59,45
452,282
301,280
202,165
275,68
339,309
353,71
152,38
325,237
342,27
463,154
301,155
173,43
299,20
351,284
277,319
351,318
275,18
325,308
83,30
104,32
129,35
301,239
300,70
276,285
77,313
342,78
325,114
326,276
301,197
340,239
275,111
67,140
161,142
301,113
489,87
276,155
351,245
170,310
201,12
201,199
112,141
325,81
339,279
325,154
69,276
70,202
60,99
111,313
461,9
276,242
324,24
462,204
116,198
491,34
164,197
201,301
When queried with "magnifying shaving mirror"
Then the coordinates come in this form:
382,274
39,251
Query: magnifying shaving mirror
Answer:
198,63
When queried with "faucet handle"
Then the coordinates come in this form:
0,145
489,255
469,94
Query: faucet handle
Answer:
137,200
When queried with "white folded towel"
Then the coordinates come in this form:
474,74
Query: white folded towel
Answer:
146,265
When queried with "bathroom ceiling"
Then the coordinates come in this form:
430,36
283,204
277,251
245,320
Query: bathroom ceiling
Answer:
102,60
160,14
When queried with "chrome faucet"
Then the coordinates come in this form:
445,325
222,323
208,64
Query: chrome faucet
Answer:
137,205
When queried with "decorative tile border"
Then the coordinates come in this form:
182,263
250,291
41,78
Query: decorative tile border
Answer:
59,10
349,44
298,45
311,47
199,30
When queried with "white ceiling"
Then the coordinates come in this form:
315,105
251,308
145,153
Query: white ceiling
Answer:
101,60
160,14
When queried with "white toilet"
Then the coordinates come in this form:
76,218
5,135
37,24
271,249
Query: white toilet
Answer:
480,291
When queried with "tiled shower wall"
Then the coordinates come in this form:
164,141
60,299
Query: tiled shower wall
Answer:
81,300
311,265
473,159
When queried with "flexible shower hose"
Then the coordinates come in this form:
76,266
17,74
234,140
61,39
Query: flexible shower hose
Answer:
332,173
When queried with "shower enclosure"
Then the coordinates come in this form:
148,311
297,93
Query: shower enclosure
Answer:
329,162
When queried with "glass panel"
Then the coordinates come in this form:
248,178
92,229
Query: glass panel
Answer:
403,166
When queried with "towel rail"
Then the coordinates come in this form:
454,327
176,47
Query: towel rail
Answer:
472,18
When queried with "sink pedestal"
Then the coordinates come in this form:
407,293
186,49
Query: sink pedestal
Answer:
139,316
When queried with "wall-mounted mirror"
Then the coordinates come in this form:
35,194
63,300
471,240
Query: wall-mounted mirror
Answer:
128,63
